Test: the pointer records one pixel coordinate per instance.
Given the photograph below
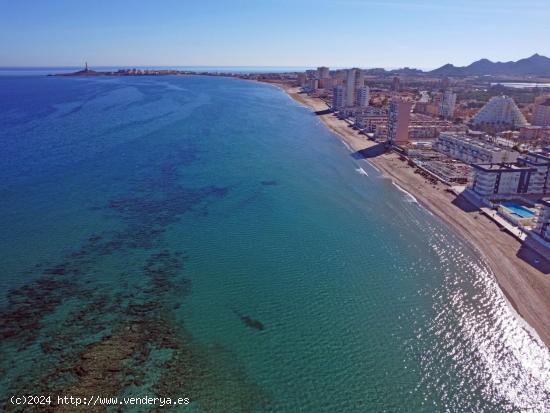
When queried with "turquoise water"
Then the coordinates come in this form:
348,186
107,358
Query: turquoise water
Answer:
209,238
517,209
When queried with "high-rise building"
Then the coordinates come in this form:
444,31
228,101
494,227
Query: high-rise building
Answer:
399,118
541,112
396,84
355,80
338,98
363,96
447,105
323,72
350,87
359,78
301,79
500,113
434,108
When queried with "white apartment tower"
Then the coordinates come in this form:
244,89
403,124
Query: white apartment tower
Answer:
447,105
363,96
338,98
355,81
350,87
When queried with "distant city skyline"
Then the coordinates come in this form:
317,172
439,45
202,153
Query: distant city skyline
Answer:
286,33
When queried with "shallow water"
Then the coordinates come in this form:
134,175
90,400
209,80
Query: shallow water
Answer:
149,225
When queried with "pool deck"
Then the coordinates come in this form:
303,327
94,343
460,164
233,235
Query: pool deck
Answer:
510,228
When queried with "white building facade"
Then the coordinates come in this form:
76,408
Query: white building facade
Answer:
542,226
447,105
338,98
363,96
472,150
505,179
540,181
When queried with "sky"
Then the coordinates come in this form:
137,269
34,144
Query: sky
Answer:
299,33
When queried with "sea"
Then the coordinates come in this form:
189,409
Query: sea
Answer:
208,238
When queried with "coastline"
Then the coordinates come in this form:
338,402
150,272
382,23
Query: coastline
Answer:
525,287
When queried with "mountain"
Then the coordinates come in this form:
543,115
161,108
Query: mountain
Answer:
536,65
406,71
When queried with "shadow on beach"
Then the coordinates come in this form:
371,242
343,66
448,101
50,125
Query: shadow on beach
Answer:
371,152
534,259
322,112
462,202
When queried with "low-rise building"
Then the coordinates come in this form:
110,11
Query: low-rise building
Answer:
534,134
368,117
469,149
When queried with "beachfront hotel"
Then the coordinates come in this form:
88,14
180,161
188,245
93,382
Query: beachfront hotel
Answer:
469,149
499,113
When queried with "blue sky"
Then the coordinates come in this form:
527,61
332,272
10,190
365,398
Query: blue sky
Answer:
339,33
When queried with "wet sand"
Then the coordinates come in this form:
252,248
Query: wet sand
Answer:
523,274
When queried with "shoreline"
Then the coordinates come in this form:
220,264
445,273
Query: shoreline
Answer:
528,295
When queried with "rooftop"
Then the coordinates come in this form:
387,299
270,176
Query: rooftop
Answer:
502,167
461,136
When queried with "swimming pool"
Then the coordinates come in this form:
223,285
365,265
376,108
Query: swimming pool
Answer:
518,209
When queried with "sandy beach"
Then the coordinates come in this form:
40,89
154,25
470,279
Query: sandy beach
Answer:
523,275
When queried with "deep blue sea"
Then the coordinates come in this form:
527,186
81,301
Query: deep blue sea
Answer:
209,238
